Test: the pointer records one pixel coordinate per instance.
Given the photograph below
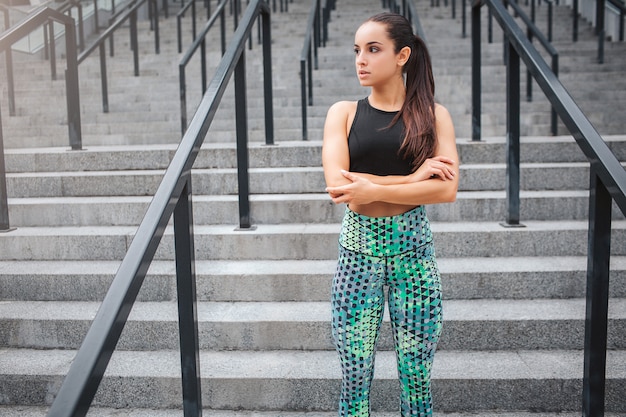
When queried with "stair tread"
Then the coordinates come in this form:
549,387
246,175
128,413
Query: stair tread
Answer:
34,411
300,228
320,365
290,267
301,311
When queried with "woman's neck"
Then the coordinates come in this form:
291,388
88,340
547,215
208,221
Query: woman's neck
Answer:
389,98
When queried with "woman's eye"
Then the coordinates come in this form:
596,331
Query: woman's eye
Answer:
356,51
373,49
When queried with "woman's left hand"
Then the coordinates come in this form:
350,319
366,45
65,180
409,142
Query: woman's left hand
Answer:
359,191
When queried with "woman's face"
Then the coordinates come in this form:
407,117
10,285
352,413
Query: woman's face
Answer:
375,57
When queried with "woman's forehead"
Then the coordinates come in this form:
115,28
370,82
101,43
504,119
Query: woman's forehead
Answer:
370,32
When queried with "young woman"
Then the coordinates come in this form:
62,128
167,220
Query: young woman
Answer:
387,156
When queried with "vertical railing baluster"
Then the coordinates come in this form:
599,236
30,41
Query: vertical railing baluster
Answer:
203,65
596,318
575,21
187,303
72,88
241,117
4,204
157,37
316,34
600,30
223,30
303,98
550,21
554,117
267,80
103,77
134,45
8,59
476,68
53,54
512,137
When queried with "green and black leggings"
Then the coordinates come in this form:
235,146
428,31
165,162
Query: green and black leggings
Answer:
397,252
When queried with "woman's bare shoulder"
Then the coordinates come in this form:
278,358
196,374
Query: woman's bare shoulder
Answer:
344,106
441,112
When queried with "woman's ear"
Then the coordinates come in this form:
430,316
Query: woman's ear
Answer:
404,55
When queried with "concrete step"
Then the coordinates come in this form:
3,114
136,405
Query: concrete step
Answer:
303,241
514,290
473,177
298,153
483,325
540,277
34,411
302,380
288,208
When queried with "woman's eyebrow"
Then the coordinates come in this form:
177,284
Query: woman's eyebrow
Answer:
371,43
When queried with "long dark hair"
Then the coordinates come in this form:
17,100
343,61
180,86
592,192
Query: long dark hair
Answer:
418,110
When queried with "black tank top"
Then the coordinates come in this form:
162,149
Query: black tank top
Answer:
374,147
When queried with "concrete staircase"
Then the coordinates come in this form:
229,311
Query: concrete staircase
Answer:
514,308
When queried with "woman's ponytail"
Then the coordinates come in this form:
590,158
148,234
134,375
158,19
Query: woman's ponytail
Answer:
418,110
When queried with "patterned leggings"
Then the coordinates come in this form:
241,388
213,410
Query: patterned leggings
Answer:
397,252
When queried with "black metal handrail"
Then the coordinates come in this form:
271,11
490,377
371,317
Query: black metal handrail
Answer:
173,197
199,43
130,15
179,21
607,184
116,13
315,36
8,60
600,30
33,21
532,31
67,8
49,42
38,18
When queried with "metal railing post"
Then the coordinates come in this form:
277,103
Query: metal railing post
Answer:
512,138
596,317
476,69
241,118
316,34
303,98
157,37
95,16
53,54
187,303
183,98
554,117
134,45
72,87
267,80
8,59
223,31
103,78
550,21
464,19
81,28
575,21
203,66
600,30
4,204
